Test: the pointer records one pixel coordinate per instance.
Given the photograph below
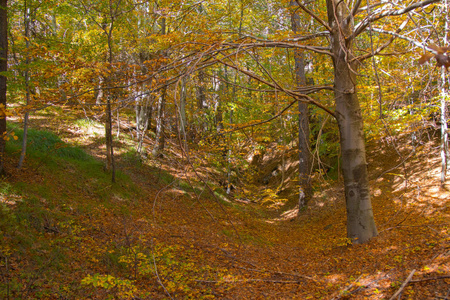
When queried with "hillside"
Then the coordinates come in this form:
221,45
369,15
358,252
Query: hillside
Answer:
160,233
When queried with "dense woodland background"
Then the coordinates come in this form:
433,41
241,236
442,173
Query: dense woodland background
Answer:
224,149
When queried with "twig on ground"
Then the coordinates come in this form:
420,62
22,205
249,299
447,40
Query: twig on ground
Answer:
158,278
345,291
404,284
225,253
362,287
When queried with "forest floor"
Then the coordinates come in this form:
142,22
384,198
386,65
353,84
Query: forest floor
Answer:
68,233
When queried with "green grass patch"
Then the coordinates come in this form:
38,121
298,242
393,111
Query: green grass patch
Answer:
132,158
86,123
42,143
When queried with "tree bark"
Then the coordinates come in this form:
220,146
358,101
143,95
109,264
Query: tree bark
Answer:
304,167
444,95
110,161
143,114
360,221
218,87
183,98
3,79
110,164
201,102
160,139
26,16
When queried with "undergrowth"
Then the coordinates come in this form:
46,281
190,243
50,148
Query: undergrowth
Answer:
67,231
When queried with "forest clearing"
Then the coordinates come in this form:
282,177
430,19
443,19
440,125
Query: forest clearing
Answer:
224,149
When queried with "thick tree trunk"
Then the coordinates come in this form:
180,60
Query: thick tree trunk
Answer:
360,221
304,167
3,68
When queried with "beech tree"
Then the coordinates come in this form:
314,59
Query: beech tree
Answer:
343,32
303,122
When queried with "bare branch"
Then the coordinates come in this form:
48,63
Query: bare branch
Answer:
292,39
403,37
280,44
305,9
385,45
405,283
359,28
356,7
298,96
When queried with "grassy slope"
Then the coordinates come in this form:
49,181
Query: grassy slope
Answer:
67,232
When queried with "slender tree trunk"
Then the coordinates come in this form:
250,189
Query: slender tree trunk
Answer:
143,108
201,90
160,118
26,16
444,127
3,68
182,114
99,94
160,140
360,221
230,152
142,121
183,120
444,95
217,100
201,101
444,131
303,123
110,162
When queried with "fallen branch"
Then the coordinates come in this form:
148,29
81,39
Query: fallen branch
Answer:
434,278
347,289
278,273
347,293
404,284
251,280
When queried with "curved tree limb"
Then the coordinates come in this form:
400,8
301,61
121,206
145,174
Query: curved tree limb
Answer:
385,45
298,96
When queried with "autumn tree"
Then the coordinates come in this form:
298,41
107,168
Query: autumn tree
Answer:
438,53
105,16
303,120
343,32
344,23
